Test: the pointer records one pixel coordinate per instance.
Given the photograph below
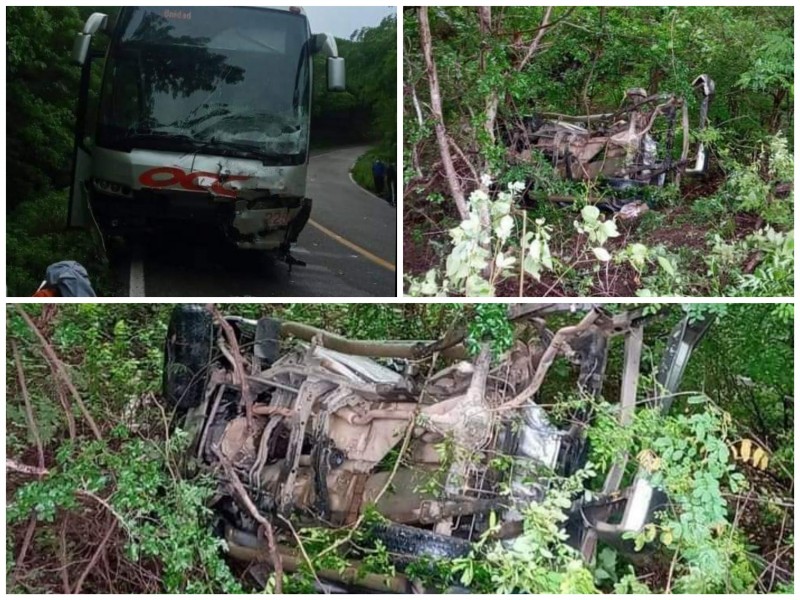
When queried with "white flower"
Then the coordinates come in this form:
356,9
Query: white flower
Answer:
486,180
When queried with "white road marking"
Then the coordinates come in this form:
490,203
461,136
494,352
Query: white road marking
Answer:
136,284
354,247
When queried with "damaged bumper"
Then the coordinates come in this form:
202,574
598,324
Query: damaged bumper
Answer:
256,206
265,224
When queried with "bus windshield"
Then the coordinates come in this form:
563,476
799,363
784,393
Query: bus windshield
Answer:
223,80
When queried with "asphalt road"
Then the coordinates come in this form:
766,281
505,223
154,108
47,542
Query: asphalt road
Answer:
349,246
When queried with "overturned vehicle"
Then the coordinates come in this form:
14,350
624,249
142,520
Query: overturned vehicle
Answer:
624,150
306,429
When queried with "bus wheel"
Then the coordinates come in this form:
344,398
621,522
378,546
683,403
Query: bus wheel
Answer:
187,354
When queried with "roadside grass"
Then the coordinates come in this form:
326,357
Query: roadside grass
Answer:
362,170
36,236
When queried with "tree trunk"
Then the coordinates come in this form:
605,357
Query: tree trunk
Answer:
492,100
436,107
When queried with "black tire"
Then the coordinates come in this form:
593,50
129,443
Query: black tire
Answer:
187,354
267,347
407,544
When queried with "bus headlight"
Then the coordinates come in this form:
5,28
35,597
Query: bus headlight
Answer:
112,188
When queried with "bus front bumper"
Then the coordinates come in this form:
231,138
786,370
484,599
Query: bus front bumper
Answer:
264,224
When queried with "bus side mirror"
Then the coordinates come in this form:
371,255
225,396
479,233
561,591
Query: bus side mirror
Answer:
326,44
80,50
83,41
336,74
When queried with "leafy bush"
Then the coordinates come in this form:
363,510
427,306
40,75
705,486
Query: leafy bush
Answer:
773,255
749,189
687,456
36,237
162,516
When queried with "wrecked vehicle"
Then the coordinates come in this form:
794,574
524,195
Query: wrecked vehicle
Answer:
304,428
623,150
203,119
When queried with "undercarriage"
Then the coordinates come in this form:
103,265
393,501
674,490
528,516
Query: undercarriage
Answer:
308,429
623,151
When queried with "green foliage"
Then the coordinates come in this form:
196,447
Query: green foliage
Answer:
748,188
481,254
770,63
36,236
42,91
490,323
591,56
372,321
362,170
686,455
162,517
598,230
538,561
772,277
114,356
746,364
610,571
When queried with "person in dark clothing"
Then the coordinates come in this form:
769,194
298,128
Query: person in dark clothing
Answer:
391,184
378,175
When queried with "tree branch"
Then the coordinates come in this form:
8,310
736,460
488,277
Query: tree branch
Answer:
247,504
537,40
238,366
23,388
95,557
58,366
547,359
438,117
18,467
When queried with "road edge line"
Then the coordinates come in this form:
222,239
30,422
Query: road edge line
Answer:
136,277
363,189
354,247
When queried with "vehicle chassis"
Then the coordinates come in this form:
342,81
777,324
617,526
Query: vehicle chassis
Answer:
299,434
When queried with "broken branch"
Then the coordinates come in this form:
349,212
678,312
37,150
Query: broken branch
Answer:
23,552
23,388
19,467
548,357
238,365
58,367
247,503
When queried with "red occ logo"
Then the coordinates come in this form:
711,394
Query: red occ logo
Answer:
199,181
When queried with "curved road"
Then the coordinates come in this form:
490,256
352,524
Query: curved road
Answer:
349,246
